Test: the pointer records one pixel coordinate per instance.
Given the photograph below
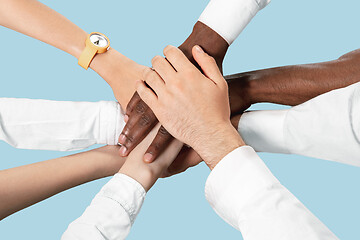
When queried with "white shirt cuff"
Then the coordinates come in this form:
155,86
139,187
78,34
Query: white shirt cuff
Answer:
264,130
229,17
111,122
125,191
235,180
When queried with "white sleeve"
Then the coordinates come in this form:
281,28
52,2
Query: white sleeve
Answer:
229,17
59,125
243,192
325,127
111,213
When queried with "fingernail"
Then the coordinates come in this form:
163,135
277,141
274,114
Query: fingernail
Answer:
123,150
199,49
148,157
126,118
122,138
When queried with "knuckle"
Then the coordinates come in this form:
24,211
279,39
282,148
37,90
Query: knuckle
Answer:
129,141
156,60
178,86
224,84
189,73
141,107
145,120
155,148
211,60
163,132
146,72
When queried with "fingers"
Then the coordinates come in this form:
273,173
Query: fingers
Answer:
159,144
163,68
208,65
187,158
155,82
146,94
133,101
141,122
177,58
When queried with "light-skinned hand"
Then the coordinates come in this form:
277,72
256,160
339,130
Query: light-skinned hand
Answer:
192,106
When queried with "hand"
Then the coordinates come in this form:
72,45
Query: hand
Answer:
239,92
189,158
147,174
142,119
191,106
120,72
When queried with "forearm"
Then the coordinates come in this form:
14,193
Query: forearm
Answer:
59,125
32,18
209,40
114,209
292,85
38,21
147,173
24,186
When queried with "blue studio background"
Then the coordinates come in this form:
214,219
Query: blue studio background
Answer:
286,32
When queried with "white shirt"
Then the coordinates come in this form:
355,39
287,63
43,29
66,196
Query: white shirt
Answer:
111,213
241,190
229,17
325,127
56,125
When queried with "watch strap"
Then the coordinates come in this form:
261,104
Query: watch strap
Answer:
86,57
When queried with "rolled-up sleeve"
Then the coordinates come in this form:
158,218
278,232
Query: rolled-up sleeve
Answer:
229,17
111,213
59,125
325,127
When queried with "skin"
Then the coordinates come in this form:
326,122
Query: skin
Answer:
288,85
188,157
20,189
147,173
34,19
172,92
140,117
292,85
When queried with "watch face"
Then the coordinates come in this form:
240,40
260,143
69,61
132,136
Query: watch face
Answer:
98,40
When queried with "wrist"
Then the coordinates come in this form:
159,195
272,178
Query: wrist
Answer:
208,39
145,176
102,64
216,145
253,87
78,45
119,72
266,85
110,162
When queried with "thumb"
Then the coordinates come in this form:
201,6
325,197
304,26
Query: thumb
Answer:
207,64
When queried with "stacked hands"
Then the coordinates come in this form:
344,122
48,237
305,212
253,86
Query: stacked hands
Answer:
191,104
179,113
